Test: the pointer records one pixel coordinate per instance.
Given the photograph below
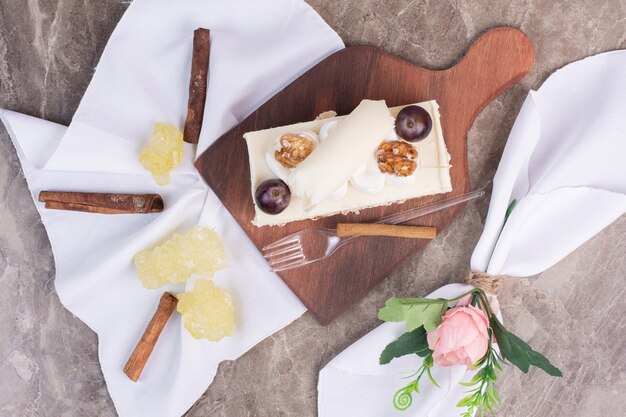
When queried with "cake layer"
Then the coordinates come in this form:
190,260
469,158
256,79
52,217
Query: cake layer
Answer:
432,176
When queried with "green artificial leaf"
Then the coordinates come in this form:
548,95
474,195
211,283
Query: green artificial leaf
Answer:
509,210
465,402
427,315
409,343
483,394
392,311
507,214
429,362
518,352
416,312
432,379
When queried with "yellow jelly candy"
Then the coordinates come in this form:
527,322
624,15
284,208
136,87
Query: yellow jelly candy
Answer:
164,151
208,311
199,251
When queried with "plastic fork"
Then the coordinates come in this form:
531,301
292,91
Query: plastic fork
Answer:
317,243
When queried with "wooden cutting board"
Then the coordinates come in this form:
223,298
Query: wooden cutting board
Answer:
494,62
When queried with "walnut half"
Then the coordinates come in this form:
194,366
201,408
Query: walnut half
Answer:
397,158
293,149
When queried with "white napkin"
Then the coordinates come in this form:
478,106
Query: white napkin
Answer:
354,384
564,162
143,77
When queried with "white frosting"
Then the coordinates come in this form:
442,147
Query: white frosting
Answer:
392,135
324,131
400,181
368,178
327,128
340,192
432,175
278,169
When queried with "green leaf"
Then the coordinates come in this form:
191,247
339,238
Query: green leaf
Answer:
518,352
409,343
432,379
507,214
487,405
392,311
465,402
484,395
416,312
428,361
493,395
428,315
509,210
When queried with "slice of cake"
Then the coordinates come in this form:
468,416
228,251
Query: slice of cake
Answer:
374,156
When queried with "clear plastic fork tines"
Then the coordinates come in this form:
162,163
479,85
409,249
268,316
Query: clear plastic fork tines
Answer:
302,248
317,243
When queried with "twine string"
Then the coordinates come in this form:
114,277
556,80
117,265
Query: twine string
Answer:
486,282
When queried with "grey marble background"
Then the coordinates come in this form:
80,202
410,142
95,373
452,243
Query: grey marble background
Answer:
572,312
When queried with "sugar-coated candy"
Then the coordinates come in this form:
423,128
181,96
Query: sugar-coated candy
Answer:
163,152
198,252
207,311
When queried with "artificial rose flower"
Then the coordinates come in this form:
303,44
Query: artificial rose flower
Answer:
462,338
491,299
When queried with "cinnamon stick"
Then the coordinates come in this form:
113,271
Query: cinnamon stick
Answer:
197,85
141,354
374,229
104,203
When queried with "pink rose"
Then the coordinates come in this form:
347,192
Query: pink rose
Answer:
461,338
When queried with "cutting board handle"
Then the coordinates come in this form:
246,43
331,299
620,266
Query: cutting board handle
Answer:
495,61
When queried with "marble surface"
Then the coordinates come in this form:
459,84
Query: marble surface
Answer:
572,312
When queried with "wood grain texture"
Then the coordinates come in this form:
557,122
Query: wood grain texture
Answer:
103,203
391,230
138,359
197,84
497,59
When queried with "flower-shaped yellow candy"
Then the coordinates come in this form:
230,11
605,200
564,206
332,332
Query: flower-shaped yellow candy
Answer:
199,251
164,151
207,311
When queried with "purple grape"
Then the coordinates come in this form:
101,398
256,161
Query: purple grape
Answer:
413,123
272,196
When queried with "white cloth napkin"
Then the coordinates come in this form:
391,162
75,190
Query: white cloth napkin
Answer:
564,162
355,384
143,77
